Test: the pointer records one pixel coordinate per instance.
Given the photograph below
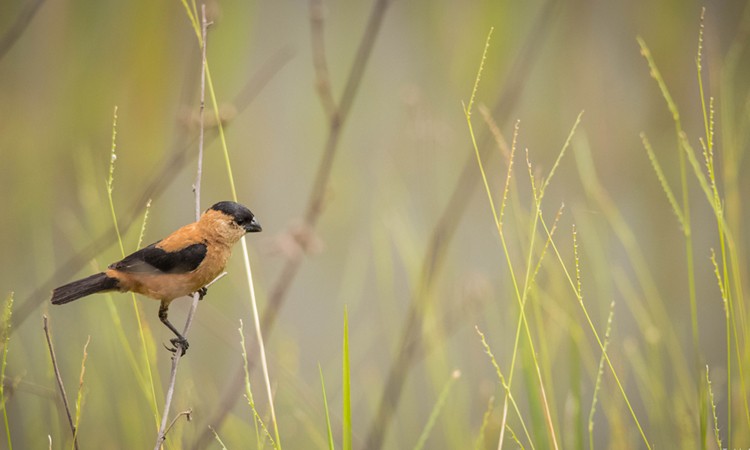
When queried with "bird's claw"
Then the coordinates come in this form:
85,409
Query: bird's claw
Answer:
202,292
180,343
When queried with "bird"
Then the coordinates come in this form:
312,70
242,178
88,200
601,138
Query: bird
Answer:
181,264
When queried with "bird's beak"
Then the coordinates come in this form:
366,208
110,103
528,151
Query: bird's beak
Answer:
253,226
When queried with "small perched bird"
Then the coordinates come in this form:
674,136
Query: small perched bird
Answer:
180,264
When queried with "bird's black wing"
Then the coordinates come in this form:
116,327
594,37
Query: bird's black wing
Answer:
155,259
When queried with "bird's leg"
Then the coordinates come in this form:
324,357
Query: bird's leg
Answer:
180,340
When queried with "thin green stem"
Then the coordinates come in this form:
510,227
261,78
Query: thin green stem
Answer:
520,297
508,393
257,420
713,410
139,322
599,341
192,15
79,397
5,338
329,429
599,373
346,406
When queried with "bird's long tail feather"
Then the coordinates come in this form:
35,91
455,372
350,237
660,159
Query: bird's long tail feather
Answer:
99,282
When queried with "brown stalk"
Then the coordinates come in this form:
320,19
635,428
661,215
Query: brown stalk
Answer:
188,413
19,26
320,63
60,384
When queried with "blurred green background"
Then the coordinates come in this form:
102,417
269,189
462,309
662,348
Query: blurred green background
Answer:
401,153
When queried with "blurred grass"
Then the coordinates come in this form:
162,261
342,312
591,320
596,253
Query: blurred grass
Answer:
402,150
144,373
329,430
258,422
80,395
346,390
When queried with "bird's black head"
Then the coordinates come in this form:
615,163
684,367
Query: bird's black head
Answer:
240,214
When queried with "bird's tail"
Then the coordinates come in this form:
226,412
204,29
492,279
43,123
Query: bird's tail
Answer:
81,288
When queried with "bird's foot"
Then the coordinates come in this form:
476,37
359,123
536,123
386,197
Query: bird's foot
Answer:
178,343
202,292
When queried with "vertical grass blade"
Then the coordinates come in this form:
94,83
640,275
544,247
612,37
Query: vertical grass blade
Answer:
346,434
325,406
730,267
5,339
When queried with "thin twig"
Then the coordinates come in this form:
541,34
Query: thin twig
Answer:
188,415
339,116
201,119
314,208
320,63
59,381
197,190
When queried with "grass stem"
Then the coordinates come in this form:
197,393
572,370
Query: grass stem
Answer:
5,341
